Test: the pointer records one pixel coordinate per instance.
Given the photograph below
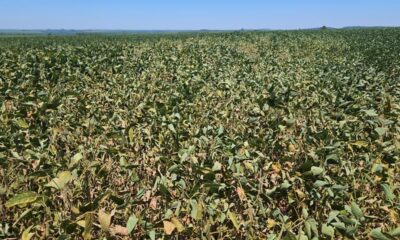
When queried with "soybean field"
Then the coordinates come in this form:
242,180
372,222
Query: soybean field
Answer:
226,135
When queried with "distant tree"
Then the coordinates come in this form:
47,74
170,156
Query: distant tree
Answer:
324,28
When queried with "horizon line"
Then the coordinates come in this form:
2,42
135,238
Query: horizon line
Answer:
200,29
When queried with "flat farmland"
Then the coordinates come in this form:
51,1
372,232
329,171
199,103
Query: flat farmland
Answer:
230,135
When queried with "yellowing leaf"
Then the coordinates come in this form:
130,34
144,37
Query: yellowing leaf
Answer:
271,223
21,199
276,167
197,210
22,124
291,148
104,219
393,215
249,166
131,224
178,224
26,235
300,193
61,180
233,218
169,227
131,135
81,223
88,226
360,144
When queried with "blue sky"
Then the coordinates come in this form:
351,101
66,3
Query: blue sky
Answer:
196,14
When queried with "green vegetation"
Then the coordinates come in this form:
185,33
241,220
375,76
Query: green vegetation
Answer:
257,135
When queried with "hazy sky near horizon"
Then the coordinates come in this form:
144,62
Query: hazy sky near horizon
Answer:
196,14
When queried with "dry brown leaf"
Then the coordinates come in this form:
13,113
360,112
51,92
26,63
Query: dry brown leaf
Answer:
241,194
119,230
169,227
394,216
147,196
153,203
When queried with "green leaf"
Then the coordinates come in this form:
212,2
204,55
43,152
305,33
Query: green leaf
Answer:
377,234
328,230
61,180
356,211
220,130
22,199
320,183
316,170
184,156
197,210
302,236
76,158
395,232
171,128
311,227
380,131
306,166
233,218
131,224
216,167
285,184
289,236
377,168
370,113
339,225
332,216
152,235
388,192
333,157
